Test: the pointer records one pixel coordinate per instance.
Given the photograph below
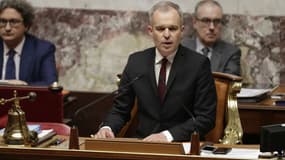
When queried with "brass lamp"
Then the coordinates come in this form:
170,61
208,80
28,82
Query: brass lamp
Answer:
16,131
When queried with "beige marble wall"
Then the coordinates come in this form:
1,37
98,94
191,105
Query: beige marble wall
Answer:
95,37
244,7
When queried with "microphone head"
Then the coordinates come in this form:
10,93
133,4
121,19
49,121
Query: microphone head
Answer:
55,87
32,96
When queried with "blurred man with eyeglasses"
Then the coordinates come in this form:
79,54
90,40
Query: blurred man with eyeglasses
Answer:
207,22
24,58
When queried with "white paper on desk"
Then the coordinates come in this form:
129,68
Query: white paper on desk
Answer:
249,92
4,82
236,153
186,147
45,132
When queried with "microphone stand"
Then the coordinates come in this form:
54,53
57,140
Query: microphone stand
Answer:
117,92
92,104
73,139
74,135
195,143
195,137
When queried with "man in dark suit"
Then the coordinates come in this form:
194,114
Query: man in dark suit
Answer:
173,85
24,59
207,21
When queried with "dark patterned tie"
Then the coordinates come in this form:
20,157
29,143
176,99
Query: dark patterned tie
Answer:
162,79
10,66
205,51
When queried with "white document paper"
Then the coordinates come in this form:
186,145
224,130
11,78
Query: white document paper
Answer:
186,147
249,92
235,153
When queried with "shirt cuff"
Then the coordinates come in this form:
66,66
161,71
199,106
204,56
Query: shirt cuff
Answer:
167,135
108,127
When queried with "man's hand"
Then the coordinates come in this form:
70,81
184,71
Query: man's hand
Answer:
104,133
157,137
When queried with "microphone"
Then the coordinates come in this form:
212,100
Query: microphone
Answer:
73,138
121,90
195,138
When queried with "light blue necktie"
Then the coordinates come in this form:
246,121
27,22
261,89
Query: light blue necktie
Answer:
10,66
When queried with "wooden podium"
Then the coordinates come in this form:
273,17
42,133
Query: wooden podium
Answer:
47,107
133,145
121,149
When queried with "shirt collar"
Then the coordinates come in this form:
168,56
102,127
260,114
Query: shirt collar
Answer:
18,49
159,57
200,46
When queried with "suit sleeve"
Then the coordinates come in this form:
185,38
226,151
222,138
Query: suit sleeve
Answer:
48,73
123,103
233,64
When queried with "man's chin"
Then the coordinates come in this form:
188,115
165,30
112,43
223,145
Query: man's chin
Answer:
166,51
8,38
210,41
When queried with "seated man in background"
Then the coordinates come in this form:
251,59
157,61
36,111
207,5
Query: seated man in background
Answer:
173,85
207,22
24,59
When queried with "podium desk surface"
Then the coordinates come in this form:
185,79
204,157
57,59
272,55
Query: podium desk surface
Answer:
61,152
256,114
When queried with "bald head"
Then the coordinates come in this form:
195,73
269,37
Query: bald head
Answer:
203,3
165,6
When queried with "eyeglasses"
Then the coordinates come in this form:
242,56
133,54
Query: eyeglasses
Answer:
12,22
208,21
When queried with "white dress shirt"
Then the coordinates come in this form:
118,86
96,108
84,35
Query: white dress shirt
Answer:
17,58
200,46
158,59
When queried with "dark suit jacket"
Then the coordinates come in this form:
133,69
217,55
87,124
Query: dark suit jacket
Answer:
190,86
37,63
225,57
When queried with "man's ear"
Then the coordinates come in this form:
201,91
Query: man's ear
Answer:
194,22
150,30
182,31
182,28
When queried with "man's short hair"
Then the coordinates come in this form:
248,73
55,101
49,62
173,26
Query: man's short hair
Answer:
203,2
23,7
165,6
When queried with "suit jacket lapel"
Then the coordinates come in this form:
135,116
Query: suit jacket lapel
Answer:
216,57
177,63
1,58
174,68
216,54
152,77
26,59
171,76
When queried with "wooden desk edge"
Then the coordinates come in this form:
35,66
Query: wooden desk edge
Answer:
18,152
